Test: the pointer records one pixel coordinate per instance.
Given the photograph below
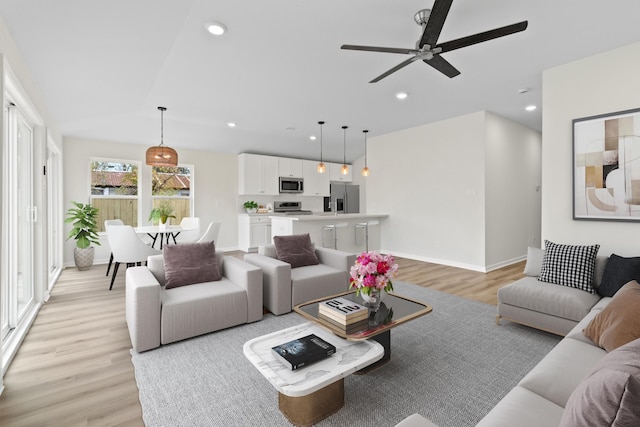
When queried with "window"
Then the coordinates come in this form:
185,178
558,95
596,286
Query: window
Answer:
115,191
173,186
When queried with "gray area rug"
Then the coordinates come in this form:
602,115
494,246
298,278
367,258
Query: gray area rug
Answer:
452,366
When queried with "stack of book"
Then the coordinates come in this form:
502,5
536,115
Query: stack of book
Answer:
303,351
343,314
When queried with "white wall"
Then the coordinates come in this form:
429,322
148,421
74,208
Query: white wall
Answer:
459,192
215,185
430,180
513,197
600,84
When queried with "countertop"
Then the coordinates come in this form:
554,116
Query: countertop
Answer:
328,216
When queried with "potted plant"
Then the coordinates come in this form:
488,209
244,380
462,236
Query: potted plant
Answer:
161,214
251,206
85,232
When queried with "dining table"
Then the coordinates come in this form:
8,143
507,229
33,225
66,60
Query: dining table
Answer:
166,233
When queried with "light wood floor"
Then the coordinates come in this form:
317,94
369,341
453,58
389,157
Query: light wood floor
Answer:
74,367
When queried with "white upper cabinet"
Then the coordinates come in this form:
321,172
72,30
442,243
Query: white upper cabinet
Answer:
315,184
291,168
336,175
257,175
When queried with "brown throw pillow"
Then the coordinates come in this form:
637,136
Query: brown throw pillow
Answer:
297,250
609,395
619,322
190,263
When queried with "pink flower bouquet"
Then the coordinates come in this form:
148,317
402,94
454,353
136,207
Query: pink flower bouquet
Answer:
372,271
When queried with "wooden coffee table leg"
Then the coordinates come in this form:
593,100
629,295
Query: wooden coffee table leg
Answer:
315,407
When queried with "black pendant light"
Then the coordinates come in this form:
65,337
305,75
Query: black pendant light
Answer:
365,169
321,167
344,170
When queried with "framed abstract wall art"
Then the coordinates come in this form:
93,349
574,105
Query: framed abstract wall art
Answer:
606,167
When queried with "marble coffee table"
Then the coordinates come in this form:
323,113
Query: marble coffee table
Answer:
311,393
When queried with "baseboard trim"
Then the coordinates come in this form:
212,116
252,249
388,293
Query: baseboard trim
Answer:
472,267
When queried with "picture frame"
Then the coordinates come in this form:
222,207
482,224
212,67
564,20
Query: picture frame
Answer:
606,167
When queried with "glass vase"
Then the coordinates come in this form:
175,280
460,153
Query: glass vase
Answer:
373,299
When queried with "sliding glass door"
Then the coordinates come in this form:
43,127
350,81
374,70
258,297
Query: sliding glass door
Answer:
20,214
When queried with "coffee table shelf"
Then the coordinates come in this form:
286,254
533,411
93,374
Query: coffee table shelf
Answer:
403,309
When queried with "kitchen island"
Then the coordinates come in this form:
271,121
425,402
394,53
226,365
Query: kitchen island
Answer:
349,237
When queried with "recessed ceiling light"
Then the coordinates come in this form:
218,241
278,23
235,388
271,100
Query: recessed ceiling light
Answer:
231,124
402,95
312,137
530,107
216,28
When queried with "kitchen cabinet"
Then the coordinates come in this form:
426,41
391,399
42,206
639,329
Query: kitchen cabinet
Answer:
335,175
315,184
253,231
257,175
291,168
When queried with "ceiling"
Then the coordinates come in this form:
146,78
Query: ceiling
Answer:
103,67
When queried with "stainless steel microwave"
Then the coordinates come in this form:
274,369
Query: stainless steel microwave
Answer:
291,185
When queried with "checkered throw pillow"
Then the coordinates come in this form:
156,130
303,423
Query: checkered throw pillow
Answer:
569,265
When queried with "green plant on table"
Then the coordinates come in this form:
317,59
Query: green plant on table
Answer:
161,213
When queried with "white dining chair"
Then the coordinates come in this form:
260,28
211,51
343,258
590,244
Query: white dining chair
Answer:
127,248
108,223
190,230
211,234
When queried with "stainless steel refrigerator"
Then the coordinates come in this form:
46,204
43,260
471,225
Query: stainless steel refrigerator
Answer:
345,198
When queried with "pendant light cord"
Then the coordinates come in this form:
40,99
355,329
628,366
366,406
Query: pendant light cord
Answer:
320,123
344,146
365,147
162,110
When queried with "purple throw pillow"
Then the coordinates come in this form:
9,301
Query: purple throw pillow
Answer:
190,263
297,250
609,395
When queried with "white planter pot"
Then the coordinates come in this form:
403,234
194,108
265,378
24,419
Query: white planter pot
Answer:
83,257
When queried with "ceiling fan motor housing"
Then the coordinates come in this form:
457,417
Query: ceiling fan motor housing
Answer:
422,16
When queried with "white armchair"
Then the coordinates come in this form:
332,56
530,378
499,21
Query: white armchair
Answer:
286,287
156,315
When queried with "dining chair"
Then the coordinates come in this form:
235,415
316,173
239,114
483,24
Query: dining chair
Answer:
211,234
108,223
190,232
127,248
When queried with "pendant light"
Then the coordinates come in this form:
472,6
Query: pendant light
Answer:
365,170
321,167
162,155
344,170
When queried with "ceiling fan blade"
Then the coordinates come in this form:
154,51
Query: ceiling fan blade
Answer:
442,65
394,69
435,23
379,49
482,37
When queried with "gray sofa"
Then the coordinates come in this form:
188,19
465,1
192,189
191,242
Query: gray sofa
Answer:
156,315
286,287
553,308
540,397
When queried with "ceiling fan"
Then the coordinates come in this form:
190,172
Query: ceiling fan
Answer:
427,48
